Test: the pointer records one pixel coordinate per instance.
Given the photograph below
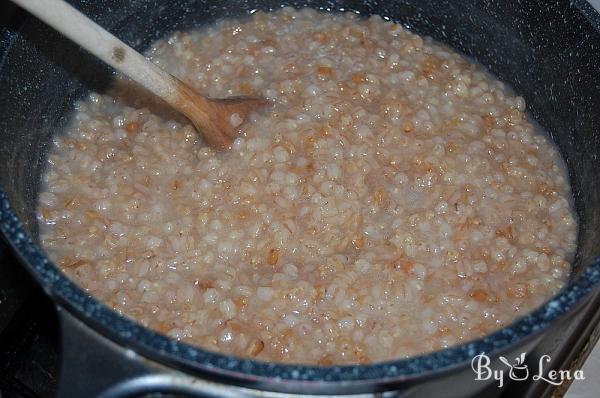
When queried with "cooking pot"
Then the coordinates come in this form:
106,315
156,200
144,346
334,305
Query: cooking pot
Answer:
548,51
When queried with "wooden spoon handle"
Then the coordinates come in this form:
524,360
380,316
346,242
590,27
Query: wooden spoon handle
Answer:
89,35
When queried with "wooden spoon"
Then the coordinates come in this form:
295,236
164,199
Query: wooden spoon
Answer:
217,120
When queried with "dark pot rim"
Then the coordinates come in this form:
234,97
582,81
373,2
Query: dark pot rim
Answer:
180,355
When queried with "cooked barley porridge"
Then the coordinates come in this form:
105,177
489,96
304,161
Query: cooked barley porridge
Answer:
393,200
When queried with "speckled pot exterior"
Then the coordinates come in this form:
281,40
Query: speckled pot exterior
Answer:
17,204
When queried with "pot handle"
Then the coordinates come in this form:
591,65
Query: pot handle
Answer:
91,364
94,366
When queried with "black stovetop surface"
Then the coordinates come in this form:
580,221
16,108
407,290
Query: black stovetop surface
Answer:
29,338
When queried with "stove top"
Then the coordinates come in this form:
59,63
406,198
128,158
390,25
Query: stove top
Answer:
29,337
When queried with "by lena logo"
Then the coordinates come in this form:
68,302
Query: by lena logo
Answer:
519,370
